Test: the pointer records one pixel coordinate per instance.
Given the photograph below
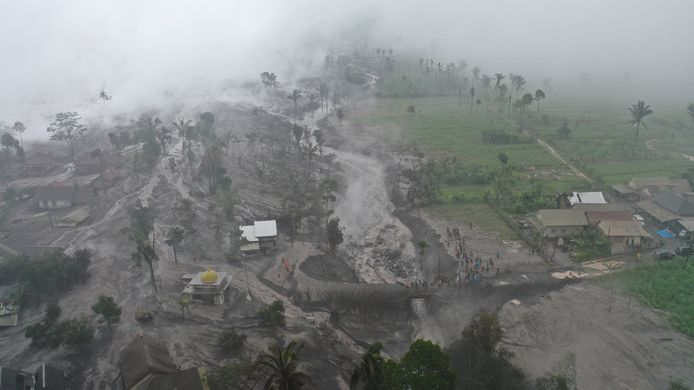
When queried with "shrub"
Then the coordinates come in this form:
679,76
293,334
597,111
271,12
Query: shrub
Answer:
231,341
273,314
143,316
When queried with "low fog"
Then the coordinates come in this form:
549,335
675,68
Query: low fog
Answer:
149,54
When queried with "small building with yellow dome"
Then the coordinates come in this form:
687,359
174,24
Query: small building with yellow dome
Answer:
208,286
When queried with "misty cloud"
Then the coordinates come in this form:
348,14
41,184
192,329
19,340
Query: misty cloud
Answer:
57,54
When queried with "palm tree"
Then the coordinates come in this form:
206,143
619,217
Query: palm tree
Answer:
296,94
369,375
690,112
283,363
499,77
638,111
472,97
539,95
518,82
423,245
19,128
476,73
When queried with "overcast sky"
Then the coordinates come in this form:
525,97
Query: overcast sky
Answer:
57,53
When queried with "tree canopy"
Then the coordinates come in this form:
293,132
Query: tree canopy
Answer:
424,367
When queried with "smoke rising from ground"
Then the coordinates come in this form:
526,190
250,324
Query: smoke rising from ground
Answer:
150,54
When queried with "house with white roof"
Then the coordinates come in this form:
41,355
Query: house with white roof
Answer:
259,237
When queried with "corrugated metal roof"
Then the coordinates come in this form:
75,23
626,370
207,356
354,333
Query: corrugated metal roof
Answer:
687,223
659,213
597,216
622,229
623,189
562,217
675,203
587,197
641,182
265,228
602,207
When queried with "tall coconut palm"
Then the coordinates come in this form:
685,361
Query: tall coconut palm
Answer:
539,95
518,82
296,94
690,112
638,112
283,363
499,77
472,97
369,375
476,73
19,128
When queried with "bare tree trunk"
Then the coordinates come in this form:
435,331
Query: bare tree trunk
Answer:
636,138
151,275
72,149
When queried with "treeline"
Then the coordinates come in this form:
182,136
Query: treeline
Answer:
475,361
47,275
427,176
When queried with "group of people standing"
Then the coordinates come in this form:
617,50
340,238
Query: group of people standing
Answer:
474,265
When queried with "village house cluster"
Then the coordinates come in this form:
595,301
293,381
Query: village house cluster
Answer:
639,215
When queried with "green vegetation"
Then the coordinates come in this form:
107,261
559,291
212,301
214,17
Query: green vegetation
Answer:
74,332
107,310
231,341
334,233
47,275
442,128
589,244
479,360
10,197
423,367
282,364
273,314
667,285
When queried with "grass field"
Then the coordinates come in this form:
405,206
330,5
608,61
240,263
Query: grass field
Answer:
600,143
441,127
602,139
666,286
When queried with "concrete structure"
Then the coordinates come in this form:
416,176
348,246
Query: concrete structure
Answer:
90,164
75,218
9,307
624,236
11,379
44,378
259,237
208,286
38,165
555,223
59,196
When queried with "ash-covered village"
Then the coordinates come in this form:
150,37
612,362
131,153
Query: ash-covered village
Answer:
393,216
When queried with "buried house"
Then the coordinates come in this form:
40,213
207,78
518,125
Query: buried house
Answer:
44,378
60,196
146,364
